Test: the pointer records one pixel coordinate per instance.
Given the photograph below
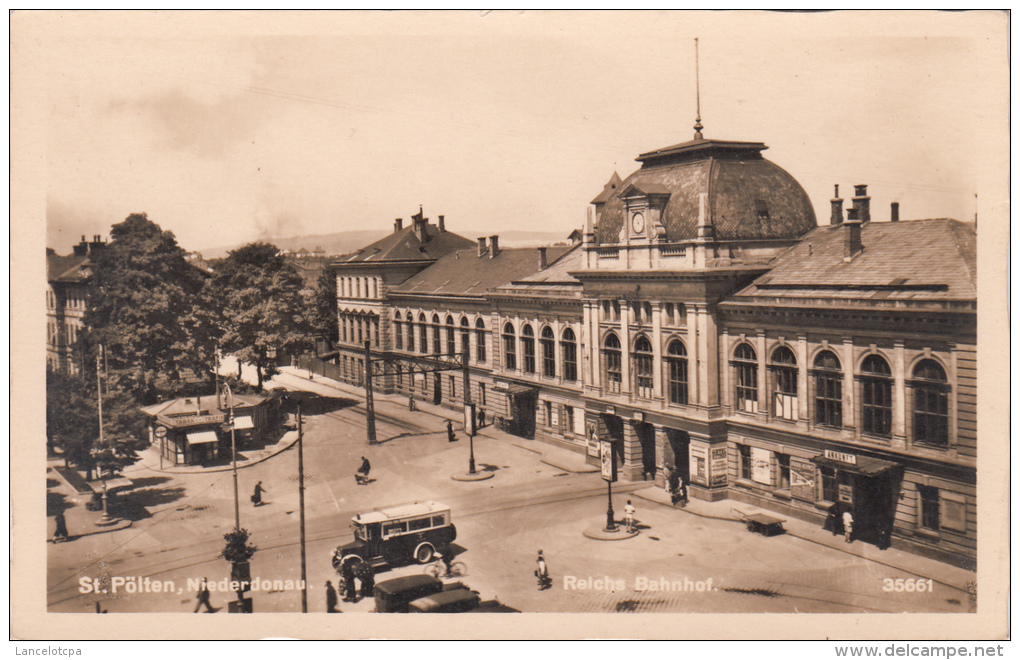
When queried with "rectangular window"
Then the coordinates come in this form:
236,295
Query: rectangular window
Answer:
568,421
548,413
391,529
929,517
830,488
569,360
453,385
528,346
481,393
420,523
745,462
438,521
784,471
785,398
876,407
614,371
829,399
480,348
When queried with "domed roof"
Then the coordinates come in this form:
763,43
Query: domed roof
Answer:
749,198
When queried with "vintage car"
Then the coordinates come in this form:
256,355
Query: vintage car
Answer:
394,595
454,600
398,535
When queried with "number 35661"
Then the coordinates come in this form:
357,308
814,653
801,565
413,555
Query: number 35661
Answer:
907,584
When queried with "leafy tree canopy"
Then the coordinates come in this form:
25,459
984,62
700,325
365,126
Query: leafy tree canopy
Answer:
142,309
263,306
325,316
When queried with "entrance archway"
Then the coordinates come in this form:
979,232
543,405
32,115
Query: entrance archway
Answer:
646,438
676,453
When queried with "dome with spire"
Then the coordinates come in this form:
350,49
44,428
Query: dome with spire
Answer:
747,198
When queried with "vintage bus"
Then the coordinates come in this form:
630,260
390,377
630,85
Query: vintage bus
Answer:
398,535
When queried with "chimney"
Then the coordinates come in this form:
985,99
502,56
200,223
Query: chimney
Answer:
398,224
442,223
837,209
543,258
481,246
493,246
862,203
82,249
894,215
852,235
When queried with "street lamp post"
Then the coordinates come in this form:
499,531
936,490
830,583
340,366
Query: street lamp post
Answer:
233,456
99,393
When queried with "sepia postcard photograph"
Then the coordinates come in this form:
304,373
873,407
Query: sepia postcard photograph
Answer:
601,324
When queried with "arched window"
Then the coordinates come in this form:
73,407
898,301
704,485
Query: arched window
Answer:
398,335
676,359
437,338
931,404
642,357
410,332
784,380
876,396
548,353
828,390
614,363
480,340
745,361
465,337
569,349
509,347
528,348
451,338
423,334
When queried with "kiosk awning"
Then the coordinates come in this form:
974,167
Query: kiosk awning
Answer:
201,437
866,466
243,422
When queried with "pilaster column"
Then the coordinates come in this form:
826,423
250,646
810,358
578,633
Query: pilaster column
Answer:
849,409
802,378
763,395
693,357
661,446
625,313
899,402
657,351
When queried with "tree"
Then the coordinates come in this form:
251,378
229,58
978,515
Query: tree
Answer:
325,317
263,307
72,419
142,296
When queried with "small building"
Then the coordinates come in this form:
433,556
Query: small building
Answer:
196,430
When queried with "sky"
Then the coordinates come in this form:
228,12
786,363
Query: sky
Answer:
230,128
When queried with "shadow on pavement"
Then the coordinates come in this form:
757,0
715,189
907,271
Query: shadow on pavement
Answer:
315,404
55,502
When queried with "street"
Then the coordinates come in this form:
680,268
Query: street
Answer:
680,562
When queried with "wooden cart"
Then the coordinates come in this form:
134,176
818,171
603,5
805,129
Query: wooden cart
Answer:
761,523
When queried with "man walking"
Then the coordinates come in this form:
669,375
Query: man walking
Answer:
481,417
410,403
449,431
628,514
256,497
203,598
848,525
331,598
542,573
60,534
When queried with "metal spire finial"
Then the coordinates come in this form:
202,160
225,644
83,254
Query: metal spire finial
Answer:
697,83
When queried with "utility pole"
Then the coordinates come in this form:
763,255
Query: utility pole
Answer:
369,401
301,505
469,411
233,456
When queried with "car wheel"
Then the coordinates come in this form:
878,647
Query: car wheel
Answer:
423,553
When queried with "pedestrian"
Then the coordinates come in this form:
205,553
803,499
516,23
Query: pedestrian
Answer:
410,402
331,598
203,598
542,573
362,474
833,520
481,417
60,534
449,431
350,595
628,516
848,525
681,491
366,576
256,497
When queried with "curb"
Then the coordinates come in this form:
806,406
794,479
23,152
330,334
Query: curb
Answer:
283,445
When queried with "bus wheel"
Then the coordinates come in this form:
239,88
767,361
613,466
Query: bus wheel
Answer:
423,553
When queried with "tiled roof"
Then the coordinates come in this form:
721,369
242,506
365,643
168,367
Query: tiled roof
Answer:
917,260
609,189
65,269
205,403
749,197
405,246
465,273
558,272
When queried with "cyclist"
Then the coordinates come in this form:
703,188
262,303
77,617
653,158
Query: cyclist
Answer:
447,558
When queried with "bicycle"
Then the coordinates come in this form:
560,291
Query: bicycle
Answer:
438,569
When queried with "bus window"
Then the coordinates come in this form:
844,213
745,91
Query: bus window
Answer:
438,521
392,529
420,523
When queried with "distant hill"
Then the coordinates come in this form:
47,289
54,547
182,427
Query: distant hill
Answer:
345,242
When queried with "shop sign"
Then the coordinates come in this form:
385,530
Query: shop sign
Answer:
842,457
761,465
160,432
802,479
718,466
700,463
846,493
608,460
